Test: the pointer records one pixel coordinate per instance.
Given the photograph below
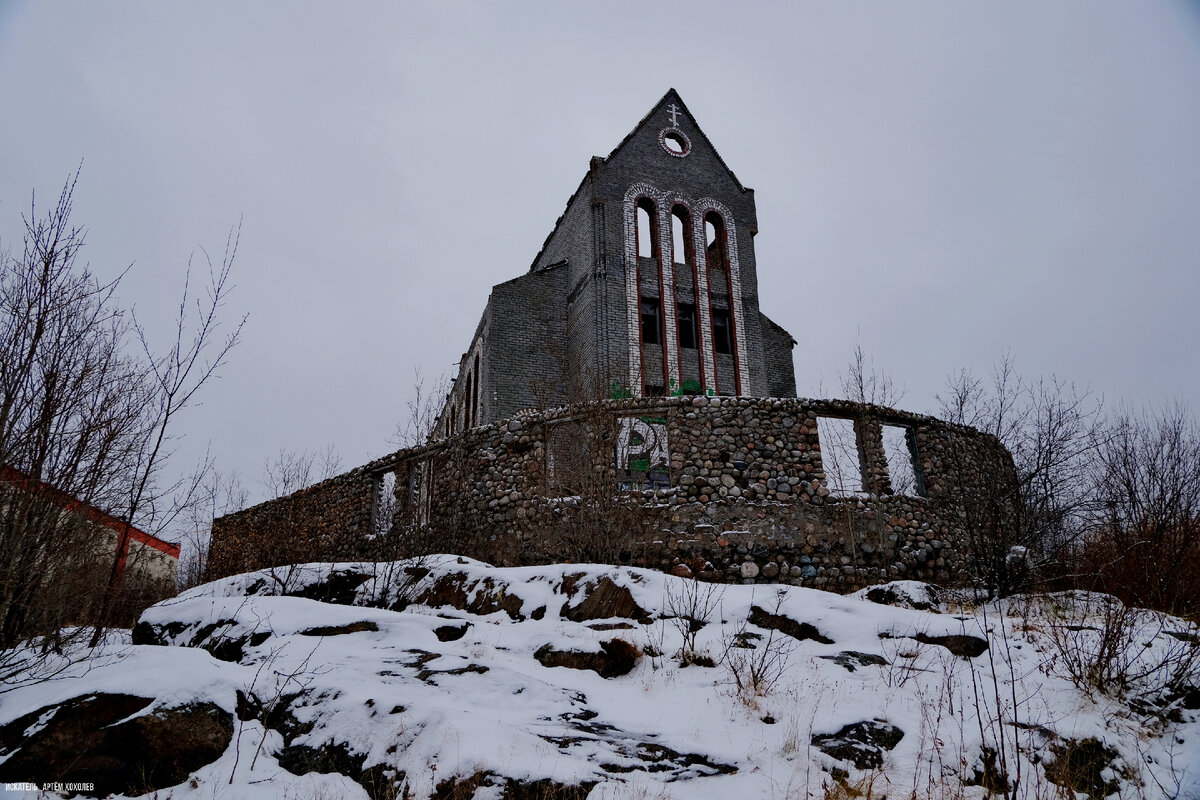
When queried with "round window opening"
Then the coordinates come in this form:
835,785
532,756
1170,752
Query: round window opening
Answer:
675,142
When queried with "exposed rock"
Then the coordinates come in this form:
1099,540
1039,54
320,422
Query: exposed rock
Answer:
611,626
337,630
378,782
959,644
451,633
428,675
906,594
787,625
852,660
616,657
452,590
464,788
84,741
213,637
276,714
161,635
862,743
340,588
659,758
988,773
604,599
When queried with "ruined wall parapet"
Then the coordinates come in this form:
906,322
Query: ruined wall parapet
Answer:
825,493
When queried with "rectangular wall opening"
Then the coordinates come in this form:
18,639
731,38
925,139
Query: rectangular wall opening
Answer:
840,456
900,448
383,513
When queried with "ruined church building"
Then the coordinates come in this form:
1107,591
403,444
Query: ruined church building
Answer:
627,400
646,287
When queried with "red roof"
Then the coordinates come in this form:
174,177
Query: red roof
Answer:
24,482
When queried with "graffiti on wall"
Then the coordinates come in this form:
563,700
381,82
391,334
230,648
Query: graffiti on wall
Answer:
642,453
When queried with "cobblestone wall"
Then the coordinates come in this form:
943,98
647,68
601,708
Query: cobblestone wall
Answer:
729,489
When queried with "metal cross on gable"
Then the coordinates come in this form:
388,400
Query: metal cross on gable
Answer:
674,111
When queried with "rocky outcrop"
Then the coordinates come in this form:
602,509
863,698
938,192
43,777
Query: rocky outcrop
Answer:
111,742
862,743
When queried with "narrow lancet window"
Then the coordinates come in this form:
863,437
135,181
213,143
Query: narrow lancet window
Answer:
645,229
467,422
679,242
475,395
714,238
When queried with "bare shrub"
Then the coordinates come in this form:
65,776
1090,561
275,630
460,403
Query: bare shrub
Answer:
1144,542
1104,646
862,788
290,471
690,604
755,663
903,654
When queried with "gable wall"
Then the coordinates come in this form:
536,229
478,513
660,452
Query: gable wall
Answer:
701,174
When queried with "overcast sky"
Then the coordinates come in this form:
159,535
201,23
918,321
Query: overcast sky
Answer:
942,182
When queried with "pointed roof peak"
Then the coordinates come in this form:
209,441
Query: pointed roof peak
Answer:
677,112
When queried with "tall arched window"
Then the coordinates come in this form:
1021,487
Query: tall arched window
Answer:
715,241
647,229
721,299
467,421
681,245
475,394
650,298
686,321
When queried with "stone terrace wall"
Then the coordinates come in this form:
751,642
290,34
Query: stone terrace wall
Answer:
743,495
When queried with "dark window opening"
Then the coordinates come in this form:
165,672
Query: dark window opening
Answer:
475,395
651,324
653,390
467,421
688,332
722,327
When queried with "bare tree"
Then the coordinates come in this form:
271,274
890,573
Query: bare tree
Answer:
85,422
70,420
1144,541
1051,428
220,493
290,471
863,383
421,412
172,379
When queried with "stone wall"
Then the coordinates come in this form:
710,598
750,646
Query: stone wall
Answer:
329,520
729,489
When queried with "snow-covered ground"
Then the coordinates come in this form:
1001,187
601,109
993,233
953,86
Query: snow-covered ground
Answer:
899,690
